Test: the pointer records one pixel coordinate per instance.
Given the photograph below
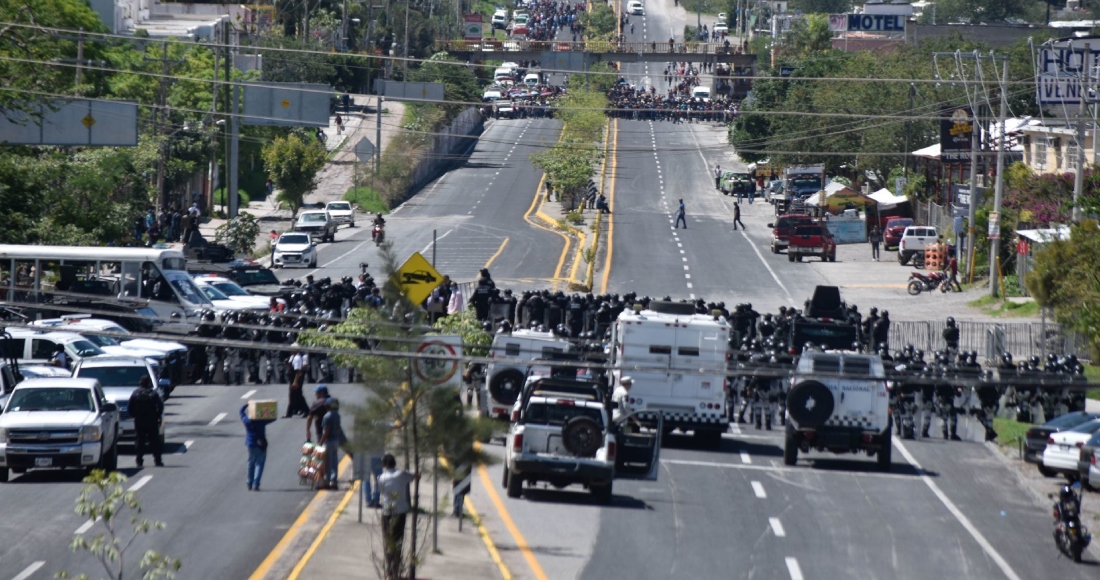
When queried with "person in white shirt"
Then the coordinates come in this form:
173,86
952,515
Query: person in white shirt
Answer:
621,398
457,302
393,487
299,362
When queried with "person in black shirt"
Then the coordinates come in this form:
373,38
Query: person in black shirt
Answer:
147,408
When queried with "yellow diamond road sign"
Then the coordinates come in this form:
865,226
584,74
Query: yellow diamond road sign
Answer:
417,278
88,121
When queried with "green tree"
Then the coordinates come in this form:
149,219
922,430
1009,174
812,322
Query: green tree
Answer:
104,503
600,23
976,11
1058,280
810,34
293,164
821,6
239,233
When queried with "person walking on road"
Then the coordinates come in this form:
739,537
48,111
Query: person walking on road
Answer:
952,269
875,238
146,407
339,125
717,177
299,362
737,216
333,438
680,216
255,439
316,412
296,401
393,486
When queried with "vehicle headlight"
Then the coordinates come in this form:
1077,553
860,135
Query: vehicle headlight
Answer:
90,433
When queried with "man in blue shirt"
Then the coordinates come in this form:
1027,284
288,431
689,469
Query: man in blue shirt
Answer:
332,437
680,216
255,438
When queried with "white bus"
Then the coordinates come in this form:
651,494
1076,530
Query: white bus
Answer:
151,282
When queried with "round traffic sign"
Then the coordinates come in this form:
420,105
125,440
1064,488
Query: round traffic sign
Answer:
436,371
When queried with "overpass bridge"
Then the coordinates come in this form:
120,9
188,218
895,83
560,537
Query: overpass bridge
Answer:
576,56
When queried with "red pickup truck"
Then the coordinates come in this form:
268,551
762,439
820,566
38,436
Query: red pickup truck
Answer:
782,228
811,240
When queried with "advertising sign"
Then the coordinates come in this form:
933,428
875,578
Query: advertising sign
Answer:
473,27
955,133
847,231
838,22
1061,67
994,225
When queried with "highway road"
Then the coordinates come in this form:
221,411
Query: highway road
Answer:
215,525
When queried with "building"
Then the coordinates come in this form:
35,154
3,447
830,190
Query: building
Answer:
1051,147
173,19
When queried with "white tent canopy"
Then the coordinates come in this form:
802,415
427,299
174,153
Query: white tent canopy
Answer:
886,199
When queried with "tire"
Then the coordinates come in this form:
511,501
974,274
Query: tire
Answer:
1076,548
885,453
775,250
3,474
799,399
110,461
832,257
790,447
504,478
903,257
602,493
915,287
582,436
352,225
506,385
798,258
790,256
514,485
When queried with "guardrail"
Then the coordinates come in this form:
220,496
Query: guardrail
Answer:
597,46
1022,339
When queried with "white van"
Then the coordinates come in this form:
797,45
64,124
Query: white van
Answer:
504,380
504,75
500,19
532,79
677,359
701,93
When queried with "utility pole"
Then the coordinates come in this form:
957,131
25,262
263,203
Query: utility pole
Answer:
305,22
405,52
378,135
971,208
344,28
905,159
995,243
1079,176
159,115
232,96
79,55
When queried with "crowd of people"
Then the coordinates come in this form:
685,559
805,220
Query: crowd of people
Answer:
548,17
628,101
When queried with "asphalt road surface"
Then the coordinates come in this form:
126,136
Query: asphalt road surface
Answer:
215,526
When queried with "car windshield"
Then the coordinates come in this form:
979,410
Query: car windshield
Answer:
213,293
294,239
51,399
1069,420
185,288
312,217
126,376
340,206
83,348
805,183
255,277
102,341
899,224
230,289
1088,427
545,414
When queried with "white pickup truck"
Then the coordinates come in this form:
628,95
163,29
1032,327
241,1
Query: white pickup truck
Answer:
58,422
562,435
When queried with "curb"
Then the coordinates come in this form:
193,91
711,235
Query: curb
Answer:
590,271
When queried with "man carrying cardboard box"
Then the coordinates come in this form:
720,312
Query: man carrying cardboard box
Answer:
255,439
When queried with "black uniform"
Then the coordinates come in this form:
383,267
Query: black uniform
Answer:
147,408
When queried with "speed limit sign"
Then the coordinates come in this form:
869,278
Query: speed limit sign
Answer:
438,361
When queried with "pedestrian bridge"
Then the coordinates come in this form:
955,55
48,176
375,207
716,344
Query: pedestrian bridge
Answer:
585,53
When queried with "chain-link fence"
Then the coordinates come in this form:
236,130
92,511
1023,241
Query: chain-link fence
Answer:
1022,339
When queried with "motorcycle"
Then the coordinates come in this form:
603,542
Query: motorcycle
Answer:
920,283
1069,535
378,234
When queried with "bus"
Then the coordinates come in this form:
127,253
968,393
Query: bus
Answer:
152,283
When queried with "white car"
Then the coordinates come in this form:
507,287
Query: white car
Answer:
110,345
1064,448
500,19
720,28
342,212
295,250
233,290
722,17
635,7
223,303
701,93
83,322
119,377
492,93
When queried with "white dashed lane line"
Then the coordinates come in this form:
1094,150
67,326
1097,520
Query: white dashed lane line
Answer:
140,483
185,447
745,458
777,527
29,570
794,569
248,394
217,419
758,489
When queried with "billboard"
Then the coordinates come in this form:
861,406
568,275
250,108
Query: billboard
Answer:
1061,67
956,129
73,122
473,26
286,104
399,91
876,23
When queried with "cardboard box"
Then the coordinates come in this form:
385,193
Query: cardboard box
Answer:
262,409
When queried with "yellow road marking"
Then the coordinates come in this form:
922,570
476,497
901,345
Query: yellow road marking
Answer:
611,216
494,554
301,565
565,238
497,255
295,529
505,517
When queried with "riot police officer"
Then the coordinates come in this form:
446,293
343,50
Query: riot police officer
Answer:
951,335
147,408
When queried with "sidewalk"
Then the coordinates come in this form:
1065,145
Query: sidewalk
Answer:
350,549
336,178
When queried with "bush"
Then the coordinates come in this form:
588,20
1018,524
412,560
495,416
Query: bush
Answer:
575,218
367,199
219,197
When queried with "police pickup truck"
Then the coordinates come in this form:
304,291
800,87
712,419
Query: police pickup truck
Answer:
562,435
58,422
838,402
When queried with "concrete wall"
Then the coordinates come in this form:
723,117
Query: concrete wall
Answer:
451,140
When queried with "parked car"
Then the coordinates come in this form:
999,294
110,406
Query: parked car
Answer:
500,19
915,239
232,290
120,376
810,239
1064,448
1035,440
294,249
782,228
318,224
891,234
342,212
720,28
1088,470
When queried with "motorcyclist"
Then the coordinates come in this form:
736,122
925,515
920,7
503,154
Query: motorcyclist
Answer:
379,223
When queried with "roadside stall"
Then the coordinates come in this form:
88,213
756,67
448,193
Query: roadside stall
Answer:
845,212
888,205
